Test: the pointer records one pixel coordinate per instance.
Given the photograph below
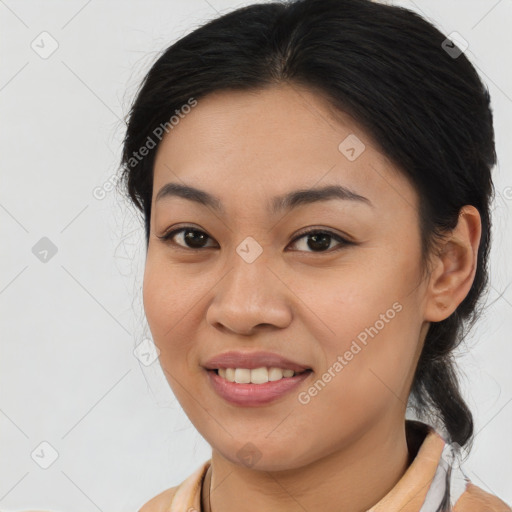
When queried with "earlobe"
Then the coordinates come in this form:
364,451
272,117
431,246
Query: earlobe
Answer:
454,266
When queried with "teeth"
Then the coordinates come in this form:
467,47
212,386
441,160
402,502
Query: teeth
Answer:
255,376
242,376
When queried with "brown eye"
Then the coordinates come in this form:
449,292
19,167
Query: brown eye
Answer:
320,241
192,238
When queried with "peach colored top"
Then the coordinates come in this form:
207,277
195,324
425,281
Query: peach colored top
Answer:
434,482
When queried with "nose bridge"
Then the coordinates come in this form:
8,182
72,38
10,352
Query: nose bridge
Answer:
249,270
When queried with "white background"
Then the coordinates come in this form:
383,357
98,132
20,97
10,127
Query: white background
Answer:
70,325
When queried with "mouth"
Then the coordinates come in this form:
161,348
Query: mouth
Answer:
258,376
250,379
255,387
245,361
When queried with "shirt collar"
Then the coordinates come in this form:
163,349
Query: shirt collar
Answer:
422,488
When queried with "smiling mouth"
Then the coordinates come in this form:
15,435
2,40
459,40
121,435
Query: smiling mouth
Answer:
260,375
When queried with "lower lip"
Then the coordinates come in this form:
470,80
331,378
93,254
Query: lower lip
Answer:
253,395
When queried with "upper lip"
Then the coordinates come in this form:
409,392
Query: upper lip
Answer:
251,360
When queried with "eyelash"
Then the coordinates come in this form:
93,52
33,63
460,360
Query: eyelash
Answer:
167,237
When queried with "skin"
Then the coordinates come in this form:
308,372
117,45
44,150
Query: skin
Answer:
346,448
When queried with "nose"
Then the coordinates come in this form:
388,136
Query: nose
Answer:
250,297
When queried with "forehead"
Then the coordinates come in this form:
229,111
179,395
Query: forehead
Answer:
269,141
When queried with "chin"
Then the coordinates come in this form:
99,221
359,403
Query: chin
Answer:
266,457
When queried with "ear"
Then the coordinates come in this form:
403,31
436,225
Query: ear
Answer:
454,266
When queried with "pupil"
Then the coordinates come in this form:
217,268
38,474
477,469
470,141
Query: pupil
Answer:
320,241
189,238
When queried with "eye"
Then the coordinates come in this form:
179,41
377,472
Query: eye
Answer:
319,240
195,239
191,235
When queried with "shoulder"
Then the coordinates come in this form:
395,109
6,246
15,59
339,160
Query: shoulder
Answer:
475,499
185,496
161,502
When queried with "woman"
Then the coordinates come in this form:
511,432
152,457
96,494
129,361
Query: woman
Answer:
314,179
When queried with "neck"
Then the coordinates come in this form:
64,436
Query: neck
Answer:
351,479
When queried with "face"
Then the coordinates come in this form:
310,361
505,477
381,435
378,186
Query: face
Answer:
333,283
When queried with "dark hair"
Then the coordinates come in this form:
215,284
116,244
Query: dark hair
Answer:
419,99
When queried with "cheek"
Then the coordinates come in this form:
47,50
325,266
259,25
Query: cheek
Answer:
168,292
171,307
170,298
353,297
367,371
370,317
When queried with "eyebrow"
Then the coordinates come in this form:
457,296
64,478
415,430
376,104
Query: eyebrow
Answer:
278,204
